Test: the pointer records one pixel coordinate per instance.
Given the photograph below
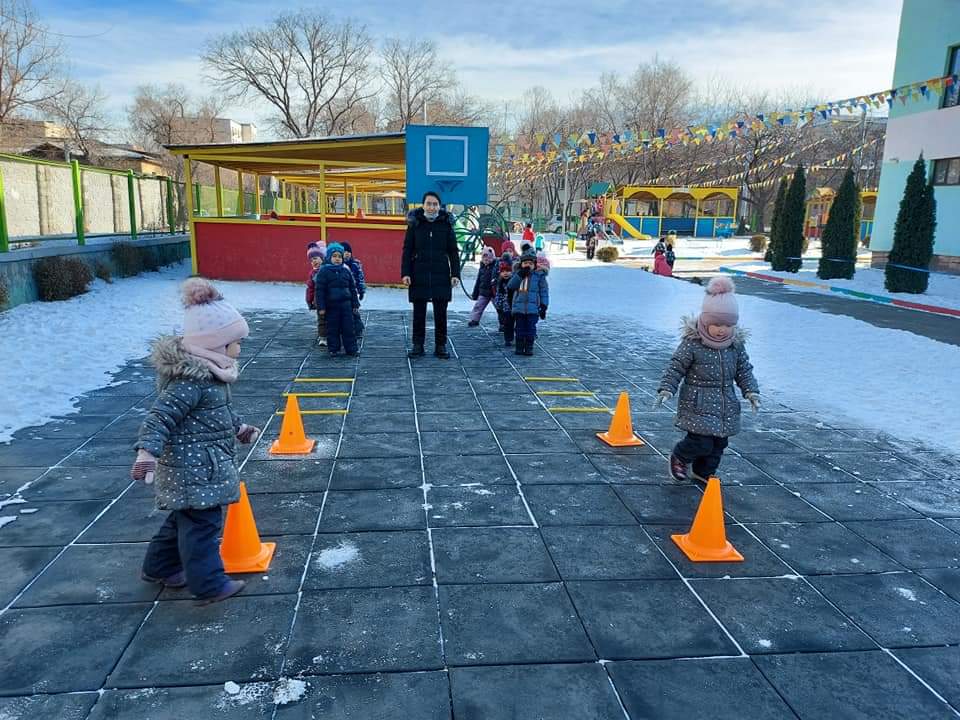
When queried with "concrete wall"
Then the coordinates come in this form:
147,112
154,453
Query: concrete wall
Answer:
16,267
20,193
928,29
97,203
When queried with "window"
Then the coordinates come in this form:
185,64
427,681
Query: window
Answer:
946,171
951,95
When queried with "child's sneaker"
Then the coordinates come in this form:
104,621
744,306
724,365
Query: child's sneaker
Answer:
322,341
473,323
698,476
229,589
678,469
334,353
177,580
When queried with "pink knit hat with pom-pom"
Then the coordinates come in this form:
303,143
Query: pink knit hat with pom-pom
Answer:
209,321
720,303
543,262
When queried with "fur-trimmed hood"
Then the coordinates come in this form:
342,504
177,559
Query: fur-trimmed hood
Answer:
688,330
172,361
415,217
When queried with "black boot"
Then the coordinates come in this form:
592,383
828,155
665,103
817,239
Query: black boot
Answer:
528,347
441,352
416,351
520,344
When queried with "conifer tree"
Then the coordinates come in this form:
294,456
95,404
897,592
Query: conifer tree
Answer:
913,235
840,236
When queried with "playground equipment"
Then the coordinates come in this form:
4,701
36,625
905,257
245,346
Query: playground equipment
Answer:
477,226
818,212
653,210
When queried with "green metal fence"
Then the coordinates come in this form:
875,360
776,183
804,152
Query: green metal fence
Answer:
42,200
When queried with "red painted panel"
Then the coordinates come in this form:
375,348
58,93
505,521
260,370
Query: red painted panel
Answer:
271,251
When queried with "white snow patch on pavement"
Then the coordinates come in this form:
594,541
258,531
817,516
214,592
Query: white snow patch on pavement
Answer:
336,558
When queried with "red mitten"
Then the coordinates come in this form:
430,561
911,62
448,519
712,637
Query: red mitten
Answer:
248,434
144,467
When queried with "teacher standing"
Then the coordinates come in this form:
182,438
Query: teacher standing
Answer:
430,269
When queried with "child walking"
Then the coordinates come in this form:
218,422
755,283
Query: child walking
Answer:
503,299
530,300
315,255
356,267
711,357
337,301
483,288
187,445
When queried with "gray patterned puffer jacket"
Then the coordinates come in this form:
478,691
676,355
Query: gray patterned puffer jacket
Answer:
708,403
191,429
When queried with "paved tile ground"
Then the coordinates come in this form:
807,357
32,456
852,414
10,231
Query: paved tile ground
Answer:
457,547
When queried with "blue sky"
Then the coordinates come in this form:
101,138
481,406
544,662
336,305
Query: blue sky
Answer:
501,47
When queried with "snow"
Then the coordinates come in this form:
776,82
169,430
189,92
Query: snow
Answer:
231,688
943,290
907,594
289,690
7,519
845,372
336,558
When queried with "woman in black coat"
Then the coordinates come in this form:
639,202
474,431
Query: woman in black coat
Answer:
430,269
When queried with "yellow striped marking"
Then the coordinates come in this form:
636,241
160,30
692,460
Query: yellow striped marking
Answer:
330,380
318,412
566,393
317,394
550,379
580,410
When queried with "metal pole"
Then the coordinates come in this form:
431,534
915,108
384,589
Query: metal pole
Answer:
4,236
77,201
566,199
241,205
171,220
218,189
133,204
323,202
188,193
256,195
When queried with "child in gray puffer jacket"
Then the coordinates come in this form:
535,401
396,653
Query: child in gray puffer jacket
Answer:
712,357
187,443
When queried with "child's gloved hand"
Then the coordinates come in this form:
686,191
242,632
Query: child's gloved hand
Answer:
356,311
662,397
361,296
144,467
248,434
311,306
524,272
754,400
543,312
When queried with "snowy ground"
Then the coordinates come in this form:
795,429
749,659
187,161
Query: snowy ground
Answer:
848,372
944,290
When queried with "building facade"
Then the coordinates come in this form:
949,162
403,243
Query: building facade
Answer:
928,46
214,130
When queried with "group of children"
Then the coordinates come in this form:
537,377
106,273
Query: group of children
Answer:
335,288
517,286
188,439
663,257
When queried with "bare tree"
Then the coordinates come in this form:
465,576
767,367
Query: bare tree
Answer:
29,59
80,110
414,79
311,70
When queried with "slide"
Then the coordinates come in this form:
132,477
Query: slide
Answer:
625,224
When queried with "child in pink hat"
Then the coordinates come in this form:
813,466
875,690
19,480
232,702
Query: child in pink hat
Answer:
187,445
711,359
316,254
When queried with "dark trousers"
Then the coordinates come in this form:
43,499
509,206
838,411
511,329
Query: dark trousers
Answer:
439,322
321,326
704,451
506,321
340,326
526,324
357,325
189,540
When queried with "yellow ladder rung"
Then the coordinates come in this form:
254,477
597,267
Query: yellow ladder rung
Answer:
566,393
580,410
330,380
318,412
316,394
550,379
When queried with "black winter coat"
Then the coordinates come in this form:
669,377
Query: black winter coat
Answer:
430,256
334,285
486,279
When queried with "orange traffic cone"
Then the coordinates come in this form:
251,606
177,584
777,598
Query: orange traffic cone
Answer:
620,433
241,549
707,539
292,440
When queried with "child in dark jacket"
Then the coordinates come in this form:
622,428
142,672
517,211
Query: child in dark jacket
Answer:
337,301
187,442
503,299
356,267
483,288
315,254
712,357
530,300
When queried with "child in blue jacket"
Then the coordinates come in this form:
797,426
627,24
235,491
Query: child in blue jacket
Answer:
356,267
336,298
531,297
